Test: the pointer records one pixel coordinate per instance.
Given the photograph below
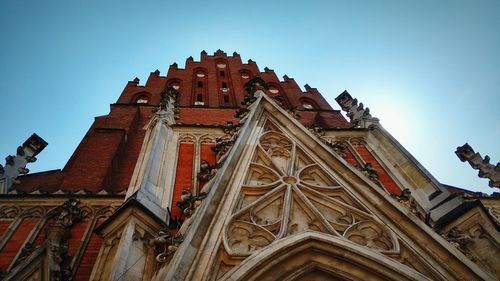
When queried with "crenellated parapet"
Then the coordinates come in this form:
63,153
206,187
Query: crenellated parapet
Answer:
358,115
15,165
477,162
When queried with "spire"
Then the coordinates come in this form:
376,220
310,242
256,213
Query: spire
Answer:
358,115
486,170
16,165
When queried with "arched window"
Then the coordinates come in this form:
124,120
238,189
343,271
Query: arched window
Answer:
200,74
174,84
308,104
245,74
141,98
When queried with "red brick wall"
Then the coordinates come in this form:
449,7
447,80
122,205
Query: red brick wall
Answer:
206,153
89,256
187,79
4,224
14,244
183,174
389,184
76,235
349,157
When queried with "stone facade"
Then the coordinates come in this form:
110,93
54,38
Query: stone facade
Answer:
221,172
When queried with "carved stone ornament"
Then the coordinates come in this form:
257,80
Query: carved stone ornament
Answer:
222,147
285,192
231,129
459,240
338,147
61,270
358,115
16,165
317,131
207,171
248,100
241,112
26,251
69,213
255,84
168,96
166,245
188,201
486,170
368,170
407,201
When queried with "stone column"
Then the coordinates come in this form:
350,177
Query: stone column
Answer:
141,216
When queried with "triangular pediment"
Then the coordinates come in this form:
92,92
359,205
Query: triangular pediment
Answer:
279,181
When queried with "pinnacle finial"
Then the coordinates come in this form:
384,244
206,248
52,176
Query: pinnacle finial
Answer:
358,115
486,170
16,165
256,83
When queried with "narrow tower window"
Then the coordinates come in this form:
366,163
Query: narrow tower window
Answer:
200,84
142,100
222,73
199,100
226,98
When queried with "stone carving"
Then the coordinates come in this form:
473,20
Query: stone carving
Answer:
169,95
369,234
407,201
188,202
16,165
285,192
486,170
69,213
60,268
494,211
26,251
207,171
222,146
248,100
294,112
166,245
368,170
255,84
168,107
10,212
337,146
459,240
317,131
241,112
358,115
231,129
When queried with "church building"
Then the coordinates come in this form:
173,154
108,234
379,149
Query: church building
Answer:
221,171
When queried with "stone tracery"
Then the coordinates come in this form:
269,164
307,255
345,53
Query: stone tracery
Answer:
286,193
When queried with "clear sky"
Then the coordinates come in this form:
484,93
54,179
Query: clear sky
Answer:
430,70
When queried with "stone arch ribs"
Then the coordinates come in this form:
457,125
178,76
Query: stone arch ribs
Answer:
309,251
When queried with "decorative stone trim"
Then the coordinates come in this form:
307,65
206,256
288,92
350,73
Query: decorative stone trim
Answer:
486,170
16,165
358,116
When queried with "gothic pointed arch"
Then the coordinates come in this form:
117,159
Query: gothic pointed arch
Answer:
314,256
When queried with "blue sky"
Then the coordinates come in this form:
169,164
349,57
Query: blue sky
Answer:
430,70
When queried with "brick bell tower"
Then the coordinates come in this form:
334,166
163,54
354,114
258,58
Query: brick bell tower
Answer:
218,171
